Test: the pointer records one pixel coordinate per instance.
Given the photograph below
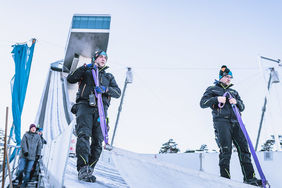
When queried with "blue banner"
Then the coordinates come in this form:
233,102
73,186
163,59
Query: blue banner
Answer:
22,55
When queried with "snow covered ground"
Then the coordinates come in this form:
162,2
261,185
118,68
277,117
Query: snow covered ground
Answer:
120,168
271,163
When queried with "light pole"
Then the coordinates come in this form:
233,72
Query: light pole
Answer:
128,80
273,78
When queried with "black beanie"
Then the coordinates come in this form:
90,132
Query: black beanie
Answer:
224,71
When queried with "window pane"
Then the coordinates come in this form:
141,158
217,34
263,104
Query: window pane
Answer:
76,21
91,23
83,22
99,22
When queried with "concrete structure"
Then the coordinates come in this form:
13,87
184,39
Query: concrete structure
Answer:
88,33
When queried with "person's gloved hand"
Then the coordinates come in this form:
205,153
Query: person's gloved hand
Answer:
107,123
101,89
91,66
221,99
37,157
232,101
26,154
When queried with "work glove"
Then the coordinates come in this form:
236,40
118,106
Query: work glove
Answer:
107,122
100,89
37,157
26,154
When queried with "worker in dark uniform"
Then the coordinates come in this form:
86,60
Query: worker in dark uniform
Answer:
227,128
87,116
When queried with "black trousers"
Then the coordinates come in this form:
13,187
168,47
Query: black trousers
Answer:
225,133
88,127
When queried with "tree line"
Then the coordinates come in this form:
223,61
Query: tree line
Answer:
171,146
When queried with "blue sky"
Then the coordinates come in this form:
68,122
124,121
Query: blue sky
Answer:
175,49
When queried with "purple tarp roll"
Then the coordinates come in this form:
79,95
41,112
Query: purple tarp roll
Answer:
100,107
243,128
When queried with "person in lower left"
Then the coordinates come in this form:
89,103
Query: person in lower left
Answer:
30,151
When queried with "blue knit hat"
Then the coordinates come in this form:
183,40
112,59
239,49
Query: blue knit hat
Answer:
224,71
98,53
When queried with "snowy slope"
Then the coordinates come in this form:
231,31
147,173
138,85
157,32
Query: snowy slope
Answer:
271,165
120,168
156,173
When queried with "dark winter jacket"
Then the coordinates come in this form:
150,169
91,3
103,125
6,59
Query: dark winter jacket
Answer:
83,75
43,141
226,113
31,143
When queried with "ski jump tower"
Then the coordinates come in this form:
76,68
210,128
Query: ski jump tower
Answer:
88,33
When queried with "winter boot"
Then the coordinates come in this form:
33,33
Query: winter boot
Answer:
90,179
224,171
15,181
18,181
83,172
253,181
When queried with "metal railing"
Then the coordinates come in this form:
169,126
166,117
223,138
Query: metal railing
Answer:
14,167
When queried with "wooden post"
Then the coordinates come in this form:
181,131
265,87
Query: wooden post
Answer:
5,148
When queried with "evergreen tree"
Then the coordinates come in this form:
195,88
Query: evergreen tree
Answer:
189,151
203,147
169,147
268,145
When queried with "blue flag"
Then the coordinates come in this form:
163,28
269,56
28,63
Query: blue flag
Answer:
22,55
